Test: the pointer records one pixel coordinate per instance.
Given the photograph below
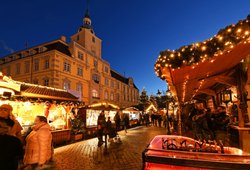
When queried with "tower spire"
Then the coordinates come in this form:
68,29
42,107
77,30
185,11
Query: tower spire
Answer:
87,9
86,19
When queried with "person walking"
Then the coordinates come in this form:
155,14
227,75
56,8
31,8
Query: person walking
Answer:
126,122
38,148
101,125
117,121
11,148
6,113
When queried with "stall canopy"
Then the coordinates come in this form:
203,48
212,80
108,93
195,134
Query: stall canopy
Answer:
21,89
131,109
103,106
195,71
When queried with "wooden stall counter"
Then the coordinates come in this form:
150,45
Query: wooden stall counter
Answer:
240,137
61,136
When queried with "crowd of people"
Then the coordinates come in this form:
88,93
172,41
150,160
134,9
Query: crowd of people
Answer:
106,129
33,150
159,120
208,125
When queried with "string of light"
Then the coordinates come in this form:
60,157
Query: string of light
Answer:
191,55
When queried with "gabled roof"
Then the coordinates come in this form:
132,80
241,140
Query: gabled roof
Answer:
59,46
121,78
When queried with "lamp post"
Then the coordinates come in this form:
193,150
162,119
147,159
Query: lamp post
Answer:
168,100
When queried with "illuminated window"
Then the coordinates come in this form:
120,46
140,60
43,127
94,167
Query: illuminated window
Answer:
106,95
94,93
66,85
112,96
79,88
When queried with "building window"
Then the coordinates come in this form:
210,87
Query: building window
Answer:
27,67
95,64
118,97
112,96
46,82
106,95
79,71
35,81
66,67
95,78
93,39
79,88
78,38
80,55
118,85
46,64
106,81
36,65
17,68
94,93
106,69
112,84
8,71
66,85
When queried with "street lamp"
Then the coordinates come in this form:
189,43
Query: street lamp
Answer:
168,100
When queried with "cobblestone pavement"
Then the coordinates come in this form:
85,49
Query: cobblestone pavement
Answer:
85,155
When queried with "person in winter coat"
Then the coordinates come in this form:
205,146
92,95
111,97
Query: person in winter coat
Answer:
38,148
6,113
11,148
117,121
101,126
126,122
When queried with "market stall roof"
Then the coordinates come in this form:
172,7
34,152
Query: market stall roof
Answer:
103,106
150,107
132,109
35,91
190,71
189,81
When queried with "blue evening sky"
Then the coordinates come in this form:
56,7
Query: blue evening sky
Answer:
133,31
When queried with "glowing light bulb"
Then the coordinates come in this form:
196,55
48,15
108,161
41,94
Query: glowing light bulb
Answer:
203,48
239,30
220,38
246,32
229,30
